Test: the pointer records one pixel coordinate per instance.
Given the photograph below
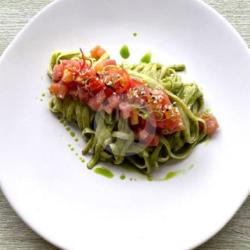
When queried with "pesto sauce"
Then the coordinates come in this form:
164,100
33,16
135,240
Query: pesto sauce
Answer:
171,175
72,134
146,58
81,159
135,34
124,52
104,172
123,177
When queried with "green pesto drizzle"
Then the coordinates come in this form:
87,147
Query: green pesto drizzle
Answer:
123,177
72,134
135,34
124,52
171,175
70,147
68,128
146,58
104,172
81,159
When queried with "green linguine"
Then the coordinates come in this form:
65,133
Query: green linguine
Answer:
110,139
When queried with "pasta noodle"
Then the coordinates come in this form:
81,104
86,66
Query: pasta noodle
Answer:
110,138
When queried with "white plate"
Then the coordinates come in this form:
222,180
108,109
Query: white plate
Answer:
72,207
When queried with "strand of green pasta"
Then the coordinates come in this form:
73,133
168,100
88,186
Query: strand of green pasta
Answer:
103,133
124,137
57,56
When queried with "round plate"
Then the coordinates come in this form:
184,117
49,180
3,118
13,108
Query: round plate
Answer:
71,206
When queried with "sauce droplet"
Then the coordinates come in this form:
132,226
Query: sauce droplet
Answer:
135,34
124,52
104,172
72,133
171,175
146,58
123,177
81,159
